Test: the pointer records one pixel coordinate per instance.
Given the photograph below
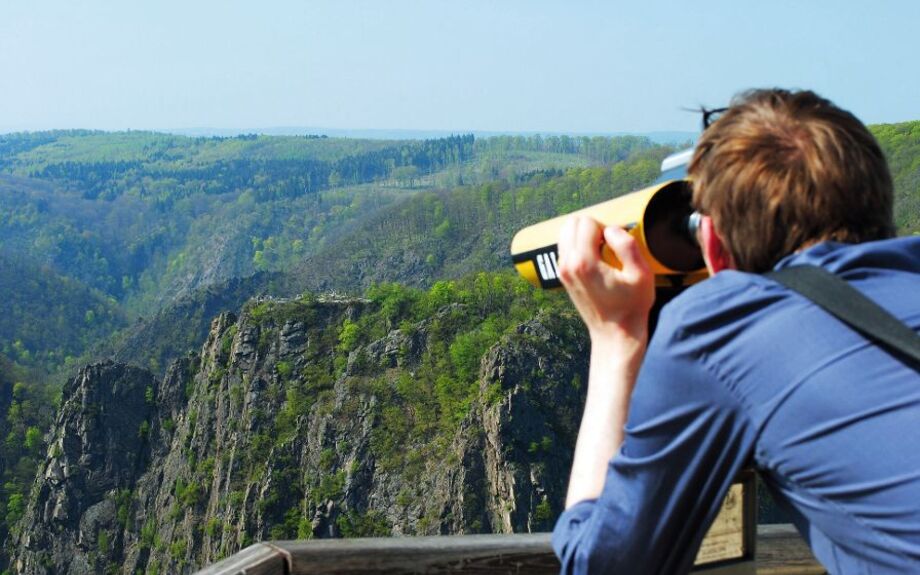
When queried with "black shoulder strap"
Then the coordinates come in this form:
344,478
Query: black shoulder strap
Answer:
850,306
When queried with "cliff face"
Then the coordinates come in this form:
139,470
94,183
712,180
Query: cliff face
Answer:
281,429
98,448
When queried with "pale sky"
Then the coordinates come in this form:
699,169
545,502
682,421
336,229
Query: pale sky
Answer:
500,65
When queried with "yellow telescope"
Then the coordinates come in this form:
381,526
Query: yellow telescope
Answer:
661,219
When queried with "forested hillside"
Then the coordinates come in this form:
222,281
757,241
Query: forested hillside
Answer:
901,143
148,219
28,405
448,233
430,236
50,319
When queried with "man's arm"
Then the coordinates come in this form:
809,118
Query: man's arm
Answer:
641,495
614,304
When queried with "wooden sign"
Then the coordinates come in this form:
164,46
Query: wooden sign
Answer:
728,546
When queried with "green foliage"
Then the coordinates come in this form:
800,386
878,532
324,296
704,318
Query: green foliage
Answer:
576,382
493,395
284,369
188,493
26,409
123,502
289,527
166,195
543,513
213,528
463,319
226,341
348,335
215,377
206,468
15,508
49,317
545,445
369,524
901,144
102,543
148,534
480,218
468,348
178,549
236,394
237,498
331,486
326,459
33,440
304,529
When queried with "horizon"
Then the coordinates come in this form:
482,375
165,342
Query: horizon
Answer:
658,137
516,68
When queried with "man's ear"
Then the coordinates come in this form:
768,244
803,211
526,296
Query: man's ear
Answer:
715,253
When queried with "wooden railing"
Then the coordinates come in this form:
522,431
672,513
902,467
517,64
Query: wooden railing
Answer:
779,551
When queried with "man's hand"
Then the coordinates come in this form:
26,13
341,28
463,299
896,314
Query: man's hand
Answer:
614,303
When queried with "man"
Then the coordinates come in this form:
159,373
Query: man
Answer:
742,370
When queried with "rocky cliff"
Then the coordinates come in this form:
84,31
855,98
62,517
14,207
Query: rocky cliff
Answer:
298,420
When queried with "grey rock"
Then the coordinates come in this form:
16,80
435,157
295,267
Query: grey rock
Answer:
222,461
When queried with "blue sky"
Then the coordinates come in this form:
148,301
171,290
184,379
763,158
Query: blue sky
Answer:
501,65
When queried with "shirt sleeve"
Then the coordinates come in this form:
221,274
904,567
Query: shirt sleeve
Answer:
686,439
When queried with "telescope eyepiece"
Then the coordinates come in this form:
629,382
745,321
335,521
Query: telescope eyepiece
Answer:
693,226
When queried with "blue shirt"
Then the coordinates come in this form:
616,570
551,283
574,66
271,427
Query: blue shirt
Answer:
742,370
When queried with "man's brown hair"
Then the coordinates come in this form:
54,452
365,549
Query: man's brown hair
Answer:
781,170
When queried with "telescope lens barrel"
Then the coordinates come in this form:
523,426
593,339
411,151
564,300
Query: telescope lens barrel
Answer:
660,217
670,226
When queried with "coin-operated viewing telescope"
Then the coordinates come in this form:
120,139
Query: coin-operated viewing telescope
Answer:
664,224
661,219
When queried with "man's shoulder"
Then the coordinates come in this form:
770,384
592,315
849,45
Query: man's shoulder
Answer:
727,312
894,255
731,291
715,302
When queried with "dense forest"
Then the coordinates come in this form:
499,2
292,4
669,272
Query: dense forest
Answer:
128,214
433,235
127,245
144,219
50,319
901,144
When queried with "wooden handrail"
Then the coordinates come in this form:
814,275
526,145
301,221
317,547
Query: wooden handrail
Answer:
780,551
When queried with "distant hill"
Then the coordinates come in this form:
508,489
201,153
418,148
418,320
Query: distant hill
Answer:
147,217
660,137
48,318
901,144
424,238
124,215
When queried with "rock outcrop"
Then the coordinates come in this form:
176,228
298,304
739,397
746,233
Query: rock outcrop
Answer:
99,447
276,431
